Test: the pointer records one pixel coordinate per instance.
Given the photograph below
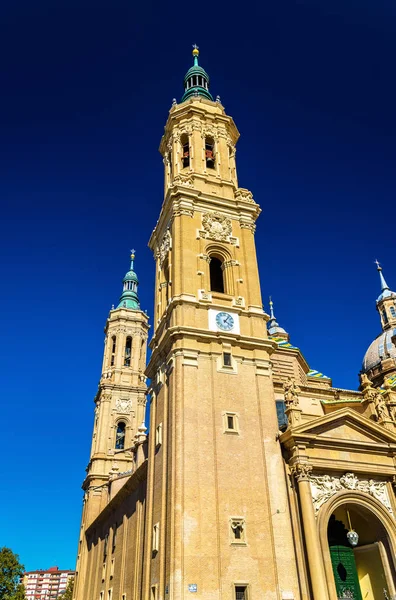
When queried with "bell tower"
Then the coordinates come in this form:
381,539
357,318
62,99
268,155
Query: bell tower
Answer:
217,521
119,407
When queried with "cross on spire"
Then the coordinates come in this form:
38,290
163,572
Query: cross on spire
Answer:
378,265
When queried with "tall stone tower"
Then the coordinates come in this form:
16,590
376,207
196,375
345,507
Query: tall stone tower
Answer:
217,507
119,404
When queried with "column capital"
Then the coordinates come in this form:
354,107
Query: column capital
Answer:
301,471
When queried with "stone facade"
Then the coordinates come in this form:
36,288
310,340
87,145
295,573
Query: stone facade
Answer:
250,452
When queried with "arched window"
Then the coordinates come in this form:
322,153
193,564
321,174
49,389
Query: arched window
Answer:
216,275
128,352
185,151
113,350
120,436
209,153
392,311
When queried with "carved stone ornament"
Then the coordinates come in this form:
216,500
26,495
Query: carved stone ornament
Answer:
183,179
245,195
301,471
164,248
123,406
216,226
291,391
324,487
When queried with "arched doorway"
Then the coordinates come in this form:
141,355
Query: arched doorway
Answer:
363,568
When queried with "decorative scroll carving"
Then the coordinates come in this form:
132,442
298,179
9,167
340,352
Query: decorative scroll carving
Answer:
301,471
323,487
245,195
123,406
216,227
250,226
183,179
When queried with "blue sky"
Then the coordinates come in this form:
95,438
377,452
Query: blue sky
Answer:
86,89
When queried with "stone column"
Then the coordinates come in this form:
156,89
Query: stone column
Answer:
301,472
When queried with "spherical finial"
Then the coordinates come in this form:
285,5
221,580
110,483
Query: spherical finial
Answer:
195,51
132,254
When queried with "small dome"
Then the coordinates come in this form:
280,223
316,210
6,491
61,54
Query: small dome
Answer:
131,276
386,294
381,348
196,70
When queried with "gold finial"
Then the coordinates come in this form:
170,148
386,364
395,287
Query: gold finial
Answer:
379,268
195,51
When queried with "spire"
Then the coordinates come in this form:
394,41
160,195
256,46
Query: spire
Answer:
129,297
384,285
196,80
385,289
273,325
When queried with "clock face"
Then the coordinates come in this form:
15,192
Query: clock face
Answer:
224,321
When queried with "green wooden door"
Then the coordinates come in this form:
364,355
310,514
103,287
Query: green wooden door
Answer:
345,573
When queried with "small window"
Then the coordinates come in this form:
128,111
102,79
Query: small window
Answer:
120,436
216,275
112,568
101,595
230,422
241,592
227,359
392,311
103,571
123,596
209,153
113,350
109,594
158,435
156,532
128,352
153,592
384,317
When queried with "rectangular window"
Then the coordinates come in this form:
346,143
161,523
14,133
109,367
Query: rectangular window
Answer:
230,422
227,359
241,592
158,435
106,542
156,533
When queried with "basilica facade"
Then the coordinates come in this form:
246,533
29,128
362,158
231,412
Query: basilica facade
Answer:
258,480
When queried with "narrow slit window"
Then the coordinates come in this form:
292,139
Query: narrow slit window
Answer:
209,153
113,350
384,317
185,151
230,422
106,542
128,352
216,275
120,436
